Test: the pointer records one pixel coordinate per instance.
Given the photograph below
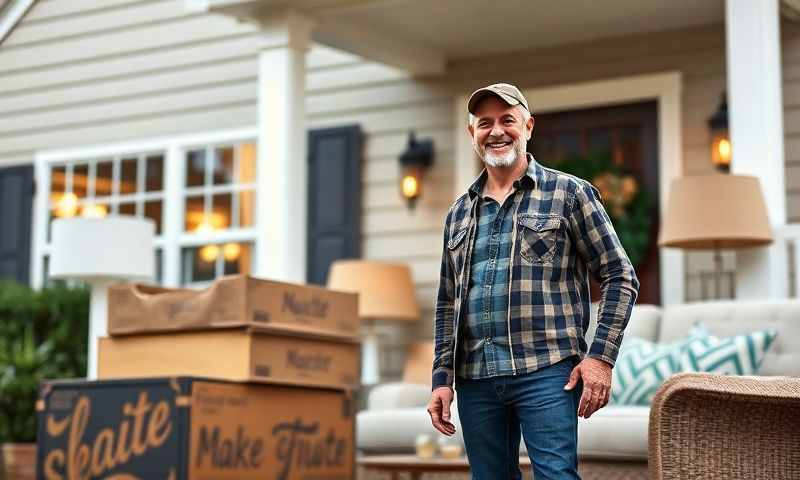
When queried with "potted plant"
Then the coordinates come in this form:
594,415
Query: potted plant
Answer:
42,335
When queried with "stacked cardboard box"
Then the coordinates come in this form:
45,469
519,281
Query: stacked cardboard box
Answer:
281,362
241,328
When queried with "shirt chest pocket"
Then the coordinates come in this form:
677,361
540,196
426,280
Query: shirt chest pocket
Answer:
457,250
538,238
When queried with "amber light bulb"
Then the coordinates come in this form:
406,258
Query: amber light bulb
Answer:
209,253
410,186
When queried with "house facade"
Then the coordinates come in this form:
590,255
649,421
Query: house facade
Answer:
263,137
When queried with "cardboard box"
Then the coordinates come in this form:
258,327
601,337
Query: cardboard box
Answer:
193,429
233,301
261,355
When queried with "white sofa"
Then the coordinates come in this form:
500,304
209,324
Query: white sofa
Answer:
396,415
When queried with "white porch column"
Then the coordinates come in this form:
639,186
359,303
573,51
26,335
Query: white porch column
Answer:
755,103
282,166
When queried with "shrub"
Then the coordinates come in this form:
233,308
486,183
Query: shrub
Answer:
43,334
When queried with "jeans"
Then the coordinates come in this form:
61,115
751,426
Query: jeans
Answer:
493,411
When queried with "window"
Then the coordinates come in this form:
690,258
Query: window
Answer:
207,262
129,185
218,196
199,191
219,187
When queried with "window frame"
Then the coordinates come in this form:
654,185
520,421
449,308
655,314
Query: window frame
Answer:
173,237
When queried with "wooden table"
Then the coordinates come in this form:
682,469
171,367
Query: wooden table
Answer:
412,467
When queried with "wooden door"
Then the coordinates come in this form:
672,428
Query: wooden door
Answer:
630,134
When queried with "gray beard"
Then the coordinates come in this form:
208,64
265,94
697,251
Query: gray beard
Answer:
500,161
506,160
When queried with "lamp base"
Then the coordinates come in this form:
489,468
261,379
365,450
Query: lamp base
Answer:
98,322
370,358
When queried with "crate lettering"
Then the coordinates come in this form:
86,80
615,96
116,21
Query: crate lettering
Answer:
314,308
295,448
243,452
150,424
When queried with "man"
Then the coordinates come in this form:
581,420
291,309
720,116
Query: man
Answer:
513,302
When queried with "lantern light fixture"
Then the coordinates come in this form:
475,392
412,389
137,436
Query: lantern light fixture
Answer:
720,137
417,158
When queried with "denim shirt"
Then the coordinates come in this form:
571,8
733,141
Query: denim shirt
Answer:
485,350
561,234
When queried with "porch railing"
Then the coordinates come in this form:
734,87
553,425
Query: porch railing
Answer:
700,284
790,234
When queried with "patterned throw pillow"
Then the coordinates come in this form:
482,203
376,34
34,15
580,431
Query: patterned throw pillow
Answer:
737,355
643,365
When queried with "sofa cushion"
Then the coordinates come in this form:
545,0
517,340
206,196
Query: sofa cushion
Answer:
642,366
614,432
642,324
729,318
398,395
737,355
396,430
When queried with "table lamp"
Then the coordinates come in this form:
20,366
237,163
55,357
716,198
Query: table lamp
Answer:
101,251
713,212
385,292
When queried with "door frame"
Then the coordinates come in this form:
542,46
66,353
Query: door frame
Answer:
664,88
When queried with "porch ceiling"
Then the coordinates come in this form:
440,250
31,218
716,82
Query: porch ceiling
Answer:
464,28
435,31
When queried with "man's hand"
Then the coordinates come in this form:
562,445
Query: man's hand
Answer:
596,376
439,409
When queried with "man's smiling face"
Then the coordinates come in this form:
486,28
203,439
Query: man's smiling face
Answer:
500,132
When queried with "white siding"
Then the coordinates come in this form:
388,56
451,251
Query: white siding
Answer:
83,72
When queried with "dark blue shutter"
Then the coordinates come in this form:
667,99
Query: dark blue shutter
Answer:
334,199
16,199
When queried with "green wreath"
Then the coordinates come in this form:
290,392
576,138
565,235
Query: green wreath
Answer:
628,205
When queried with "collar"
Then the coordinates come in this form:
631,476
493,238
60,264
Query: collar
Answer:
527,181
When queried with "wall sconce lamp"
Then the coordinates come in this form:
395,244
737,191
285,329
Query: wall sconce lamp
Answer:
720,138
417,158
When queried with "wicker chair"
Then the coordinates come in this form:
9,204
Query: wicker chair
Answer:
705,426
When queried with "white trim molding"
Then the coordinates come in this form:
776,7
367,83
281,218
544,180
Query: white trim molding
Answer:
11,16
665,88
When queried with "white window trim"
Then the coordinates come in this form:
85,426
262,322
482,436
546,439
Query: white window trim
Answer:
172,237
665,88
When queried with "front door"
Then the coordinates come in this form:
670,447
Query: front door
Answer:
629,133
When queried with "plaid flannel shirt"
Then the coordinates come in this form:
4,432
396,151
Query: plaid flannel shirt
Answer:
561,234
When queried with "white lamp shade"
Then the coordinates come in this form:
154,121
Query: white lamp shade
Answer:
115,247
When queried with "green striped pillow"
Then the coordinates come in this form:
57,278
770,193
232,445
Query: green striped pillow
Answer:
737,355
643,365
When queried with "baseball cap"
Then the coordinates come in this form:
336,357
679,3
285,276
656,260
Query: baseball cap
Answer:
505,91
